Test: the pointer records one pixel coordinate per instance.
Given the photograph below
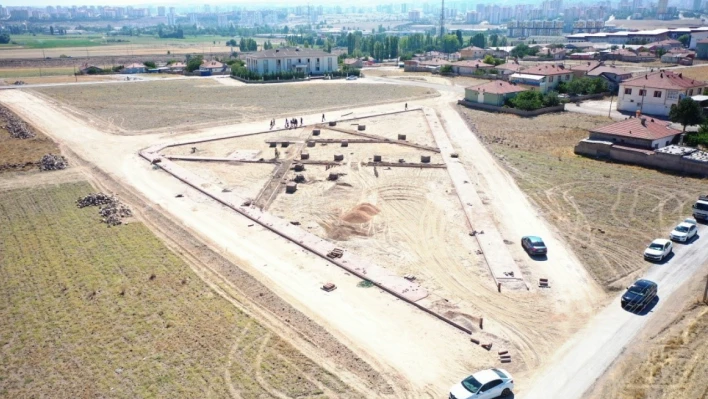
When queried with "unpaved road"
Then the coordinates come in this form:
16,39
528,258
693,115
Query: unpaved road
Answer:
583,359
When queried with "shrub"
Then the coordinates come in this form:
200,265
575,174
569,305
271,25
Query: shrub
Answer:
446,69
528,100
150,64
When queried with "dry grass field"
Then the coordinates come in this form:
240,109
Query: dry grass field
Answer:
44,79
608,212
164,104
17,151
673,365
91,311
698,73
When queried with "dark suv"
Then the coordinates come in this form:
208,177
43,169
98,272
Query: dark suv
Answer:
639,295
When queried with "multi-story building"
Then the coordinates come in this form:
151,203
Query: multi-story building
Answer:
655,93
161,11
414,15
289,59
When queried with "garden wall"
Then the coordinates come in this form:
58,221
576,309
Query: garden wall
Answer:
506,110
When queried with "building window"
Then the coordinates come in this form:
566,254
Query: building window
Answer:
671,95
628,91
657,94
690,92
329,63
642,92
698,91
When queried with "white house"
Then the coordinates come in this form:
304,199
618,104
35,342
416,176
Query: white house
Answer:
212,67
655,93
289,59
134,68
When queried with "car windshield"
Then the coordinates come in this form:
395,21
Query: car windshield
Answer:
471,384
701,207
656,246
681,229
636,290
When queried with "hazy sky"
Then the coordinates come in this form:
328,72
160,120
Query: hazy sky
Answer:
250,3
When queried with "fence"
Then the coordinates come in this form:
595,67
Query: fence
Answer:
507,110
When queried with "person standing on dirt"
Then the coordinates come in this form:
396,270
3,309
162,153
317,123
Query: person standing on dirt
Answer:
323,118
301,121
406,106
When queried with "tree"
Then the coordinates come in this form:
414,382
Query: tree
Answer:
51,30
4,38
378,51
520,51
698,138
686,112
194,63
150,64
488,59
351,40
685,40
445,69
478,40
551,99
494,40
458,33
450,44
528,100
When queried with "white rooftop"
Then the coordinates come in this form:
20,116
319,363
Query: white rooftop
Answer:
676,150
526,76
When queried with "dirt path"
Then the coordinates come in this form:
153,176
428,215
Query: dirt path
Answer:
582,360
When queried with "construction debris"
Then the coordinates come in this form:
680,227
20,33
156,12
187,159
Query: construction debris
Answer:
53,162
110,208
335,253
14,125
328,287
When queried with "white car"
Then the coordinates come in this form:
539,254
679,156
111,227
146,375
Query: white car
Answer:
351,77
485,384
685,231
658,250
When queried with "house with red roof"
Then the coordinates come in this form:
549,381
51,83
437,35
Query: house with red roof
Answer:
655,93
472,53
493,93
471,67
643,133
545,76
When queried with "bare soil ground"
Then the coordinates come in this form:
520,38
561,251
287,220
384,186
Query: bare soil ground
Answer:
96,311
34,80
165,104
21,151
399,74
608,212
698,73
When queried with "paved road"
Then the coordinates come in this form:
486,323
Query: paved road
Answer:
589,354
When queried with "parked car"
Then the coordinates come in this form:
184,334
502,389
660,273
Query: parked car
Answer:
685,231
534,245
658,250
639,295
485,384
351,77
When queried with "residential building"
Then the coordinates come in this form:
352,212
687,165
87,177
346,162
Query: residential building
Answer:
471,67
177,67
656,92
612,75
493,93
472,53
545,77
134,68
353,63
509,68
424,65
582,69
642,132
702,49
210,67
291,59
665,45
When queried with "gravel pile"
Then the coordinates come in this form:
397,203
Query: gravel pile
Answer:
112,211
14,125
53,162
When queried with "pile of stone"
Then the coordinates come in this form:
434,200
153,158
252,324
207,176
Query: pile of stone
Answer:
53,162
112,211
14,125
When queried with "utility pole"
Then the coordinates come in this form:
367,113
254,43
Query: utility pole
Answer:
609,112
705,293
442,20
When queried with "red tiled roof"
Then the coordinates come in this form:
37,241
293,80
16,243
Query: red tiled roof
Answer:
586,66
609,69
472,64
633,127
663,80
134,65
510,66
547,70
212,64
473,48
498,87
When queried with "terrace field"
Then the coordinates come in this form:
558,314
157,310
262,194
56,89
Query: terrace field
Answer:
91,311
608,212
165,104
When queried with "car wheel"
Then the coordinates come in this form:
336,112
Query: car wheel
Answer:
506,392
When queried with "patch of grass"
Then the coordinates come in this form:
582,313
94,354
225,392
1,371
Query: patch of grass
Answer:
608,212
168,103
83,317
35,72
53,41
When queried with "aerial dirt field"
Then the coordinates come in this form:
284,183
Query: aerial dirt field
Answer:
608,212
698,73
399,74
33,79
173,104
408,220
14,151
96,311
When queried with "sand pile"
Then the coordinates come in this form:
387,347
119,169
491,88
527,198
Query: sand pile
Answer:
361,213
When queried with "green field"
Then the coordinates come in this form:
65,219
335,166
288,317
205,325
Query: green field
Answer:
92,311
92,40
35,72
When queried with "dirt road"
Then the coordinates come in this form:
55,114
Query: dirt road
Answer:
583,359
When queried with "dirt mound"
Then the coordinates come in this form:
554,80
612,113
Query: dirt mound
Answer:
361,213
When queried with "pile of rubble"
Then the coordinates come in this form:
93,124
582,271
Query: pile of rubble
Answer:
53,162
110,208
14,125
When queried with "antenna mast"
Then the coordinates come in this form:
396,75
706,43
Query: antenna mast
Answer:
442,19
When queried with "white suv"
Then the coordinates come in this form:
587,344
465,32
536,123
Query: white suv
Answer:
658,250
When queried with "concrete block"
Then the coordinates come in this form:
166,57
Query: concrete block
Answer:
291,187
361,128
315,132
333,123
304,155
377,158
273,144
285,144
425,158
345,143
333,176
402,137
338,157
310,143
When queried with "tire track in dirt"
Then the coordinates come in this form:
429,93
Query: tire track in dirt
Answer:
227,370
